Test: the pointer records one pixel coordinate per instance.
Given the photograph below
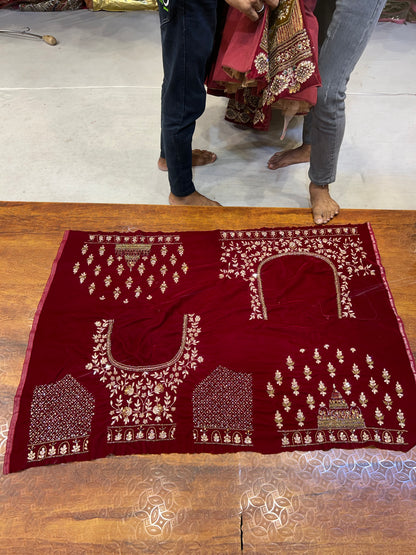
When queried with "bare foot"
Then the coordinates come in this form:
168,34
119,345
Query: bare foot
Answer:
199,158
194,199
324,208
297,155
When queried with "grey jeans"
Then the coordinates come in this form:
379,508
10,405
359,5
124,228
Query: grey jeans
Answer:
352,24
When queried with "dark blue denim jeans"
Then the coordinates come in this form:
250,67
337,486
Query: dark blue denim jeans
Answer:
187,32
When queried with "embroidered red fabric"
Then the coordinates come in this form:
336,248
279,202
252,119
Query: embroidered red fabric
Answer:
265,340
262,63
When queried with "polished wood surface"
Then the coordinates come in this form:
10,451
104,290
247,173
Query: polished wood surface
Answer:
318,502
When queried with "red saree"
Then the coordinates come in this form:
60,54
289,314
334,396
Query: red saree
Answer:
266,340
266,63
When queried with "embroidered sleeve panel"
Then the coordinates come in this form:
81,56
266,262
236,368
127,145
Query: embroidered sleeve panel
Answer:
130,267
60,420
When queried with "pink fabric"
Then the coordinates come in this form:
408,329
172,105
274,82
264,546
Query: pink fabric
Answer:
240,44
265,340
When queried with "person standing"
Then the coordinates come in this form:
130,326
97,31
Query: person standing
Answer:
187,33
348,33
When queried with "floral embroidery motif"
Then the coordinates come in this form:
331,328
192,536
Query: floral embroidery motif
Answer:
244,251
223,408
60,419
337,421
142,398
128,267
291,78
261,63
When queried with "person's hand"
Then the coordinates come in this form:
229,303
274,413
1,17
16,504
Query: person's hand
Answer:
253,9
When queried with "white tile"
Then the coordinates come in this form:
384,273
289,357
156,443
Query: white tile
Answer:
81,145
94,49
388,64
377,166
80,121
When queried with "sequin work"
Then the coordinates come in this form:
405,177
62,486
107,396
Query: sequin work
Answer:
60,419
223,408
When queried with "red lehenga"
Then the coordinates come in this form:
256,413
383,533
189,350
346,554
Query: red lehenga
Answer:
268,63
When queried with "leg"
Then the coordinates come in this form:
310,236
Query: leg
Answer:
187,32
302,154
352,24
199,158
298,155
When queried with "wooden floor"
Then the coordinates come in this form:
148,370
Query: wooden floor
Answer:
333,502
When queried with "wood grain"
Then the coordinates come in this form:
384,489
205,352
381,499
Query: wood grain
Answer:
176,503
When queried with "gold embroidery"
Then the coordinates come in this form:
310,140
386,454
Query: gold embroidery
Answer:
142,398
387,401
313,437
379,417
285,9
141,256
401,419
60,419
278,419
243,252
399,390
132,252
300,418
339,414
129,434
337,421
386,376
223,408
322,388
148,368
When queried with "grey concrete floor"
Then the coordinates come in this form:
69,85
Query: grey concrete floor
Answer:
80,121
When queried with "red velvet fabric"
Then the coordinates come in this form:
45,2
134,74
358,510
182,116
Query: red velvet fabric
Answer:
265,340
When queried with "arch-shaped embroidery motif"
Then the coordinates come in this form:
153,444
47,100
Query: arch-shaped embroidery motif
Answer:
299,253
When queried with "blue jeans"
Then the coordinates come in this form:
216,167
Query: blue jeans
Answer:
352,24
187,33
